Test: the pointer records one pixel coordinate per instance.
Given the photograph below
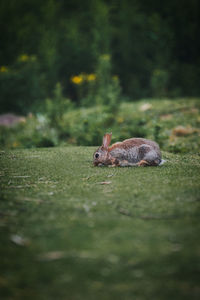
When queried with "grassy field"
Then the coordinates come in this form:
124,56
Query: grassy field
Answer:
71,231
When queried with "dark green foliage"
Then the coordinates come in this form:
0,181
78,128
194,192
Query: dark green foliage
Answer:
154,48
22,86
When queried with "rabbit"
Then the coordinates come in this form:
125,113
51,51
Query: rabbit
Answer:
130,152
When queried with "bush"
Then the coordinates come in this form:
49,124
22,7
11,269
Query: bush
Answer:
33,132
22,85
99,88
55,107
174,125
85,126
159,83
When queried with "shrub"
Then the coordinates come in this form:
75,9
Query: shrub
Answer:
159,83
99,88
55,107
22,85
34,132
174,125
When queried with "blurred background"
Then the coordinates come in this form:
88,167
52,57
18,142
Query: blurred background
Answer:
70,70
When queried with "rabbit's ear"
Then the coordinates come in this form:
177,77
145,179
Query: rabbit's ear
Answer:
107,140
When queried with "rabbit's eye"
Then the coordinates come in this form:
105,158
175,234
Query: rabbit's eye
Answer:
97,155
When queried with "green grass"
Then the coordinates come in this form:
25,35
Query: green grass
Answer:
64,235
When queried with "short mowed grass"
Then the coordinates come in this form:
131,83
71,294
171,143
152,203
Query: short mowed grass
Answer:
72,231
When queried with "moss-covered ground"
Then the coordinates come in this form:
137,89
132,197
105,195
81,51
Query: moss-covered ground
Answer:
71,231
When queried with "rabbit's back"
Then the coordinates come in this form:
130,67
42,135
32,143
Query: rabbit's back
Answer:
135,149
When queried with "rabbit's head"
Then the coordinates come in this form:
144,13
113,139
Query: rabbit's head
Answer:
102,156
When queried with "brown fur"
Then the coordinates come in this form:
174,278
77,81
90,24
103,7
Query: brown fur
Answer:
143,163
126,144
129,143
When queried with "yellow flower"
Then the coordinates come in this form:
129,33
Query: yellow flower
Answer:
105,57
115,78
91,77
23,57
15,144
120,120
3,69
77,79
